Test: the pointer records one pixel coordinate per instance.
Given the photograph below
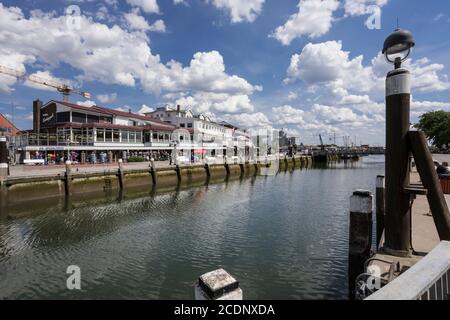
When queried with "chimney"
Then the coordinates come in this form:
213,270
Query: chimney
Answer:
178,108
129,110
37,106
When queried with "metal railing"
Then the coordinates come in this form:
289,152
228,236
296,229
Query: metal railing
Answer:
428,279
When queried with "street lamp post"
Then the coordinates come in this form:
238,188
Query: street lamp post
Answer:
396,49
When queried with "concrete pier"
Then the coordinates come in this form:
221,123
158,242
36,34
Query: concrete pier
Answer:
38,182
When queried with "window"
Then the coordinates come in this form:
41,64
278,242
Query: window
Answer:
77,135
189,125
138,137
132,137
78,117
100,135
125,136
63,117
155,136
92,119
108,135
90,135
182,125
116,136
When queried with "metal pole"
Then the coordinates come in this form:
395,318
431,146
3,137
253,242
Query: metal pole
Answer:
397,217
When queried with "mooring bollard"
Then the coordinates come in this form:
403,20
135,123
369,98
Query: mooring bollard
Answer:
68,180
360,235
3,159
218,285
120,175
379,207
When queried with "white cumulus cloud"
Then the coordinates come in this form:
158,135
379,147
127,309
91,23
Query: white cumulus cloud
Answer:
239,10
313,19
149,6
114,55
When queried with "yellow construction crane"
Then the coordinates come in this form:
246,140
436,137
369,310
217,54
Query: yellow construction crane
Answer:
63,88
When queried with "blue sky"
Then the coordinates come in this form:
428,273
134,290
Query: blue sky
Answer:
309,66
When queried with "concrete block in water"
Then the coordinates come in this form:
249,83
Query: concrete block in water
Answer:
218,285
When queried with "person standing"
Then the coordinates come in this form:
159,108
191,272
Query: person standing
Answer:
442,169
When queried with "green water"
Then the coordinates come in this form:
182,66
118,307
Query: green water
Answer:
282,237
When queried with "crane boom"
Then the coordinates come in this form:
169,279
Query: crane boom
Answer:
63,88
321,142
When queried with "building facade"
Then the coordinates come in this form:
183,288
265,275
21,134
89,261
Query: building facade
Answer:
62,130
7,128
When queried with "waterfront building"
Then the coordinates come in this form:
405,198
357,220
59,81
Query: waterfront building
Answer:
66,128
63,130
7,128
211,136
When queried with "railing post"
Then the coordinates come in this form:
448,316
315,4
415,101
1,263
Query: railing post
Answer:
218,285
380,207
360,235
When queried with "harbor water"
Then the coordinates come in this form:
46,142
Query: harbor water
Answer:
282,237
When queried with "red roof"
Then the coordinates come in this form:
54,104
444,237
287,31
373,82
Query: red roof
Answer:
114,112
112,126
6,123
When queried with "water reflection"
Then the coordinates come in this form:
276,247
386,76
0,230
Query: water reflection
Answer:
282,236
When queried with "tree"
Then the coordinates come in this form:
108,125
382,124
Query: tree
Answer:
436,125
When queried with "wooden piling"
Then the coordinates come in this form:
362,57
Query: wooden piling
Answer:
360,236
430,181
68,178
379,207
178,171
120,174
227,167
3,160
208,171
153,171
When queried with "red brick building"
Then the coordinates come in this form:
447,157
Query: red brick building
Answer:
7,128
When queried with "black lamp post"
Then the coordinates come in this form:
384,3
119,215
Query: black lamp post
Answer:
396,49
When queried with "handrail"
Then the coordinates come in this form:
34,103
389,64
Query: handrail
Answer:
428,279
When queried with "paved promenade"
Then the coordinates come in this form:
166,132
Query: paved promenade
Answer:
20,171
425,236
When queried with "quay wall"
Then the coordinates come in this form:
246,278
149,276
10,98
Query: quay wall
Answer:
35,191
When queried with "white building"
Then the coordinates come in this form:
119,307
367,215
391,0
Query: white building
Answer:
207,134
